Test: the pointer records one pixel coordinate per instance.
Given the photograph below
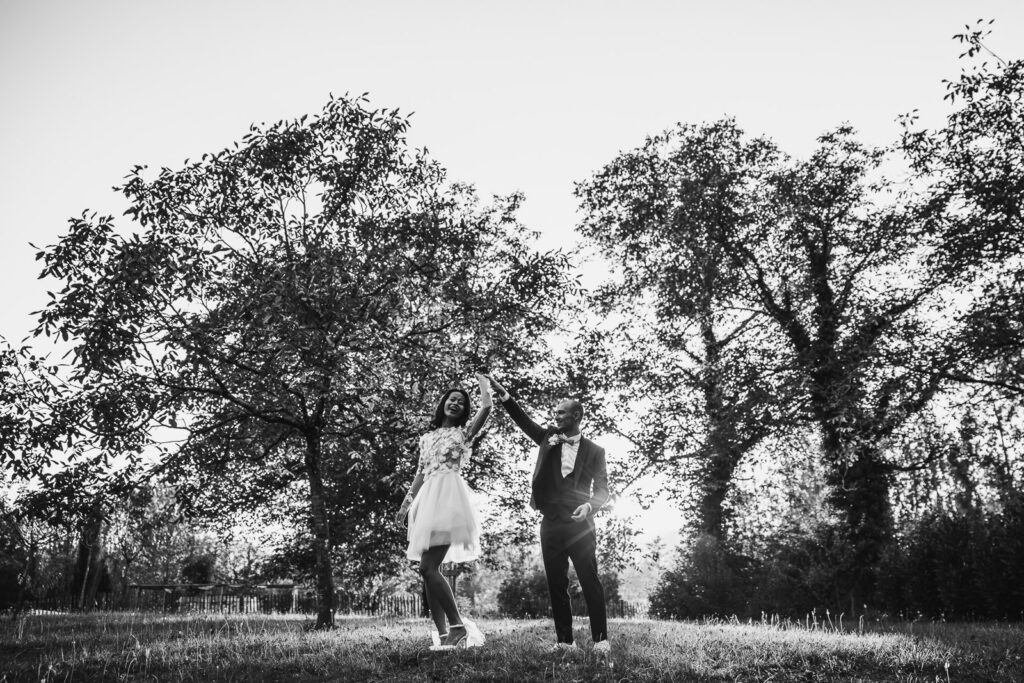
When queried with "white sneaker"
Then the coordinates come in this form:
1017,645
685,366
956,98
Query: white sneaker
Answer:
564,647
603,649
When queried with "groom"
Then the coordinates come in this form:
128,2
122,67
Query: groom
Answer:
570,484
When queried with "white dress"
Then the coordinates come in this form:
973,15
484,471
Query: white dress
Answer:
441,512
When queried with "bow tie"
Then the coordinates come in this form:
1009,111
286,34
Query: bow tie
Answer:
558,439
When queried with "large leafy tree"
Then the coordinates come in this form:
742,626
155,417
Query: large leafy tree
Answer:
286,310
837,263
684,350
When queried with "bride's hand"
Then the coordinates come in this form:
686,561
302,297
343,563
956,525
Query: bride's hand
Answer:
403,510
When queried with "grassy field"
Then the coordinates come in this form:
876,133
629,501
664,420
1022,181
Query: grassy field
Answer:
150,647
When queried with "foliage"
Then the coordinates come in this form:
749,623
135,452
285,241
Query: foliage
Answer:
524,594
827,264
974,167
199,568
946,566
46,443
855,282
956,552
144,539
708,580
617,537
288,311
42,561
958,566
13,560
686,354
959,550
273,327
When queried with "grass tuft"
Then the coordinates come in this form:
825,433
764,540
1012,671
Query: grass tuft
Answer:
136,646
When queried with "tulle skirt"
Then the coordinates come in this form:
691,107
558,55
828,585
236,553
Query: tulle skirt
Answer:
442,514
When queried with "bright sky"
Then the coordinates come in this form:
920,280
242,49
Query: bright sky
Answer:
523,95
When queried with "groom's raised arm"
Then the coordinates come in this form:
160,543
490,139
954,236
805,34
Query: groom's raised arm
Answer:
522,420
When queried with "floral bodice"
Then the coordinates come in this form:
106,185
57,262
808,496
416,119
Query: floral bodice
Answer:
443,449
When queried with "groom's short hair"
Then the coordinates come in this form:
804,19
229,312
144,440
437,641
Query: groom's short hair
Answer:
575,405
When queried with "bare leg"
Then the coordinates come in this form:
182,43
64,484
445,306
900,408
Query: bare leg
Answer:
436,610
438,591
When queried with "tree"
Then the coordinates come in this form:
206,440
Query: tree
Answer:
64,482
686,345
840,266
150,539
876,294
289,308
973,167
15,561
49,444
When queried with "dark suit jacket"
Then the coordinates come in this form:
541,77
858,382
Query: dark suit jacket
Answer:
591,473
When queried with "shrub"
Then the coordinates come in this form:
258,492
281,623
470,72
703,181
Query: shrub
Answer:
708,579
525,594
199,568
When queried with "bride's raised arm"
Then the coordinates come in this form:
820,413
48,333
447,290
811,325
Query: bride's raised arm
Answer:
485,407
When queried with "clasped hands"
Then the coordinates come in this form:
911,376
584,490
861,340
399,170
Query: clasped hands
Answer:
499,391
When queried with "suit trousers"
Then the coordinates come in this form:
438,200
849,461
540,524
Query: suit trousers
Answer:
560,541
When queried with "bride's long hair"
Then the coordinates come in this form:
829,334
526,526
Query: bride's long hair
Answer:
438,418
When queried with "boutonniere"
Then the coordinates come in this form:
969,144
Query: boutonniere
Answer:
556,439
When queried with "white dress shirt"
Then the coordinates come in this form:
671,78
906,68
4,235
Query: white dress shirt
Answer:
569,450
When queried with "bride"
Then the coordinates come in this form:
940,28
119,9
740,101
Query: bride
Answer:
442,522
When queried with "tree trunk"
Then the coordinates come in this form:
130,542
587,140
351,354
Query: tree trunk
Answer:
714,488
87,567
28,575
719,457
860,494
321,535
90,564
126,567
